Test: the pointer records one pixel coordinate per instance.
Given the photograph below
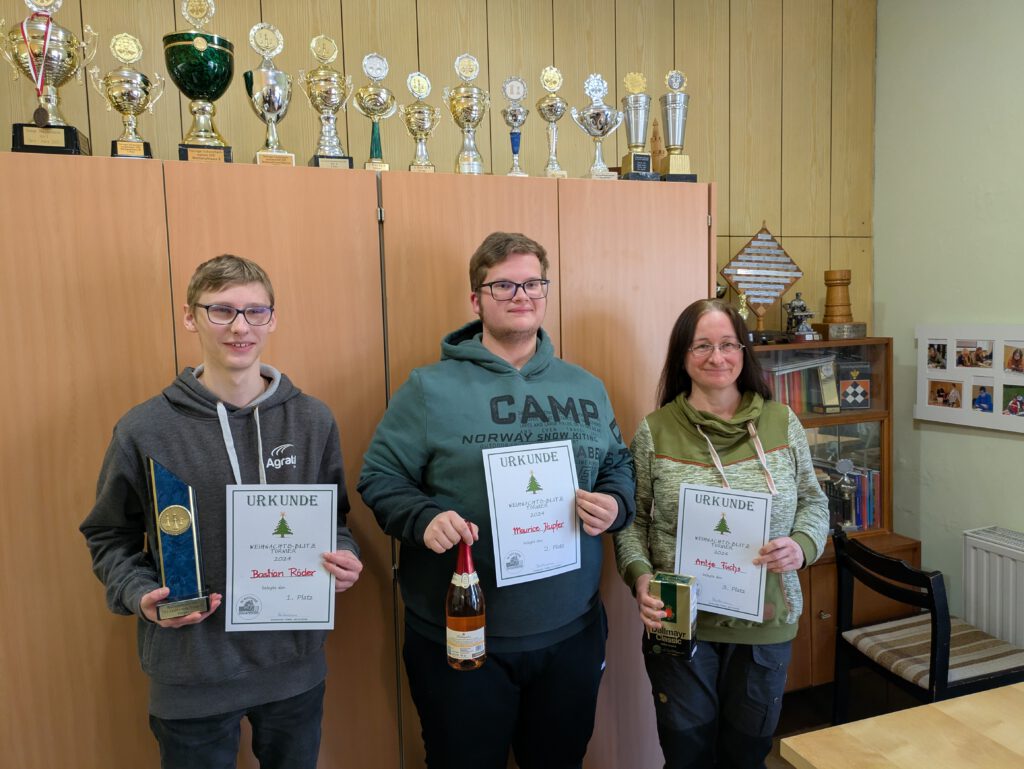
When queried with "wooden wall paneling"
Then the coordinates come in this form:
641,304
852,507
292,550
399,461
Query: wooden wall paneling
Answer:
299,23
149,22
856,255
387,27
584,32
234,118
806,116
86,320
328,289
702,53
755,115
428,245
520,42
429,237
19,99
812,257
607,274
644,42
853,116
450,28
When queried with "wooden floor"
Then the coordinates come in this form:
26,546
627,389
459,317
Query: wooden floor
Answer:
810,709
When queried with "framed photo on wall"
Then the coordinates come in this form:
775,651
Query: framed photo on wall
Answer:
971,375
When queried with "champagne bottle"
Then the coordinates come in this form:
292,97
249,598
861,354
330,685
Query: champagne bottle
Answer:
464,615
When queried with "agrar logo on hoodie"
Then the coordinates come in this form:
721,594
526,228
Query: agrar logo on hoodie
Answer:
282,455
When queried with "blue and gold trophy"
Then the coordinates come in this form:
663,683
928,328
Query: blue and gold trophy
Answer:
177,549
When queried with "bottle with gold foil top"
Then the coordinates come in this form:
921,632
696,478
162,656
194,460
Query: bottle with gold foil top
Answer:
465,618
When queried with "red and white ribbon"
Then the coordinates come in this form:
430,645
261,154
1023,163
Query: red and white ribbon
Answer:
38,73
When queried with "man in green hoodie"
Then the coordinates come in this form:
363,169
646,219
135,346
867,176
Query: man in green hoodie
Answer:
499,384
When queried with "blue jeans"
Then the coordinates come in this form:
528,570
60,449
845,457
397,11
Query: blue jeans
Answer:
720,709
540,703
285,735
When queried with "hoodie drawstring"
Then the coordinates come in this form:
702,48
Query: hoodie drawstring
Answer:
259,446
760,456
229,443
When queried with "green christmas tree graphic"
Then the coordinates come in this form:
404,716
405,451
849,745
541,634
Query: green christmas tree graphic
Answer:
533,486
283,529
723,527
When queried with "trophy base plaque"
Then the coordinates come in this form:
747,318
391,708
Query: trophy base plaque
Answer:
376,165
679,177
638,166
182,608
767,337
51,140
676,168
331,161
804,336
559,174
830,331
201,153
274,158
643,176
603,176
129,149
422,169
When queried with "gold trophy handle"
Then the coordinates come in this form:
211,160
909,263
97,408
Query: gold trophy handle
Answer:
90,41
97,83
304,85
348,92
4,49
158,88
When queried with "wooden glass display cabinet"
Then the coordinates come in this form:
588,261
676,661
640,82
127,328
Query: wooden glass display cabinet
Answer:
842,392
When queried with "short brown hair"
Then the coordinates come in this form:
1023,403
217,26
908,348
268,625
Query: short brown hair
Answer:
674,377
496,248
223,271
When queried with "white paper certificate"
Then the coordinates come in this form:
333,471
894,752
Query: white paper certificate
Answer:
531,492
719,534
276,535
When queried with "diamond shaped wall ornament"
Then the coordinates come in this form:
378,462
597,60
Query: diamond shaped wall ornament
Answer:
763,271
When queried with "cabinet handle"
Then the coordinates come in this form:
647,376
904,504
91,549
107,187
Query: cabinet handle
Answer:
824,615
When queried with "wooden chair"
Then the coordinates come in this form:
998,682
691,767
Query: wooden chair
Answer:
930,655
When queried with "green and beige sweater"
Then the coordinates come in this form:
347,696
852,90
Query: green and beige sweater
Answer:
668,450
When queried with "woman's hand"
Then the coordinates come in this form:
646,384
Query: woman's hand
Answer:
782,554
651,609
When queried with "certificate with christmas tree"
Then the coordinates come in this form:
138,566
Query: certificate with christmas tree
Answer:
718,536
276,537
531,493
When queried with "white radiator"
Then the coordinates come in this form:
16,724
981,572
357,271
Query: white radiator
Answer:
994,582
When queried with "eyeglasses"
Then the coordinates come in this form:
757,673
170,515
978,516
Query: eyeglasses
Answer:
705,349
505,290
224,315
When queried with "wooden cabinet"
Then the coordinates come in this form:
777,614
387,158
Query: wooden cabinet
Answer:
842,392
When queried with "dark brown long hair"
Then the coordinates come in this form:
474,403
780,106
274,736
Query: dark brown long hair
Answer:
674,377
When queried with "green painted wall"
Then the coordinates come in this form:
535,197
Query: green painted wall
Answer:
949,239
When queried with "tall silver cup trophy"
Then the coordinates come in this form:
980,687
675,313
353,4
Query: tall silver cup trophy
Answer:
270,92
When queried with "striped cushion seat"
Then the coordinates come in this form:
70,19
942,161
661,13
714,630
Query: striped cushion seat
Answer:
903,646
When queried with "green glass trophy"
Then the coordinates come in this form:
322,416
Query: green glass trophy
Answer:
177,551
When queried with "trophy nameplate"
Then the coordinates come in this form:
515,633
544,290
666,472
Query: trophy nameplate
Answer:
177,552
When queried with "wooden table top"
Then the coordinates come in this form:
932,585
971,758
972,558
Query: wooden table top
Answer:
978,730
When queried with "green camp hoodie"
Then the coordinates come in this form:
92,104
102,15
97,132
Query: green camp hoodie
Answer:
425,458
667,451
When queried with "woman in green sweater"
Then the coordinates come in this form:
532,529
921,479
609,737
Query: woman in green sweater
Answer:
717,427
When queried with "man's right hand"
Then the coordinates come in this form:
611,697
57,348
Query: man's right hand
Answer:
447,530
152,598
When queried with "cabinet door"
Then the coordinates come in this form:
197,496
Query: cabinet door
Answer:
869,607
800,668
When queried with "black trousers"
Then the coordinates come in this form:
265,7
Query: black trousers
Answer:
720,709
540,703
285,735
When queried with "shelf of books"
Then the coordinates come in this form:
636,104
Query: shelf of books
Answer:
841,390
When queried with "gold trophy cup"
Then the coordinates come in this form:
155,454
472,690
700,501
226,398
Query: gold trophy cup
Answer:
467,105
328,91
377,103
130,93
551,108
420,120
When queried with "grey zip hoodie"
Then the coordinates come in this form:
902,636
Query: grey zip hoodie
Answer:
282,437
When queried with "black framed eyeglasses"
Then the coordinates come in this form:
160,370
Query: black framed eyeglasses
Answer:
224,315
506,290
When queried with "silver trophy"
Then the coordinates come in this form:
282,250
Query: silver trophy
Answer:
467,105
328,91
270,92
551,108
598,121
515,114
636,107
130,93
420,120
675,166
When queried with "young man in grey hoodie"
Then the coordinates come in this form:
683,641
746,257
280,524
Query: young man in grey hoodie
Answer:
217,425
